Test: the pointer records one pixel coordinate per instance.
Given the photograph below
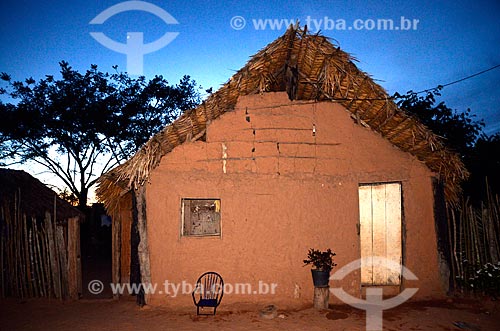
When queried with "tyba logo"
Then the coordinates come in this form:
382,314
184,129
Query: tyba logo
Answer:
135,47
374,303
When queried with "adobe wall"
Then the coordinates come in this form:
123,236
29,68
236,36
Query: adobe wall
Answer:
287,174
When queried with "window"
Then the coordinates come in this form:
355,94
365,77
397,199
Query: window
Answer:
200,217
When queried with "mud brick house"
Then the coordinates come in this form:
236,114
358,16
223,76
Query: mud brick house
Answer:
298,149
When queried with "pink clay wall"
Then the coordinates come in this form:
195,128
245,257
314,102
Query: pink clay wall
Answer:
279,201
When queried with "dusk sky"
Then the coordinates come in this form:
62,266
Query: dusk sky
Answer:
452,40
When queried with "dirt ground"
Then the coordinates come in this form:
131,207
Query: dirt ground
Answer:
107,314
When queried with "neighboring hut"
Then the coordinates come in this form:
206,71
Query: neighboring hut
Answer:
298,149
39,240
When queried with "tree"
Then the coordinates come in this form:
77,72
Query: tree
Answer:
484,165
82,125
144,108
460,130
463,134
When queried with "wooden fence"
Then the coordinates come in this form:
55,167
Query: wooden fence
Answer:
474,235
39,256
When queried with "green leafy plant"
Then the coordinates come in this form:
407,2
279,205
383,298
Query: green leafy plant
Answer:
320,260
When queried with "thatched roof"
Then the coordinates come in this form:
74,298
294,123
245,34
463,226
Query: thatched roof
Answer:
32,196
308,67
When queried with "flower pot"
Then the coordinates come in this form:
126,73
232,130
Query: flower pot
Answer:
320,278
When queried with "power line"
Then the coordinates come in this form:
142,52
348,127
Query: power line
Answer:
458,80
397,96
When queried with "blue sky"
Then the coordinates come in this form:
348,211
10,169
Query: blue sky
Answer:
452,40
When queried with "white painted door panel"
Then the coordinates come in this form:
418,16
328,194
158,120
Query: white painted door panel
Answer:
380,231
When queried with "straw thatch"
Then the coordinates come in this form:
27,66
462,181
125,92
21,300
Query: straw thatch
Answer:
308,67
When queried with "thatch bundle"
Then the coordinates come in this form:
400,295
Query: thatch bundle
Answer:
308,67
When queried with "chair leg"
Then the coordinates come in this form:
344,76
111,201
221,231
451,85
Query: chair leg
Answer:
215,308
197,310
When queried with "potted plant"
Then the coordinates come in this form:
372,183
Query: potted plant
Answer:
322,265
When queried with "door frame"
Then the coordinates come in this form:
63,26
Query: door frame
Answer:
402,231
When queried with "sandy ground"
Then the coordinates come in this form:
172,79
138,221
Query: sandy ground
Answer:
105,314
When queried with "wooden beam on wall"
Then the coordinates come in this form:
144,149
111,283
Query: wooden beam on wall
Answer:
143,249
116,249
126,226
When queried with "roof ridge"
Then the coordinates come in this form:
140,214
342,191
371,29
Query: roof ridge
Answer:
307,67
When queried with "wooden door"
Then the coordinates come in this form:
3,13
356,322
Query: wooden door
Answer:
380,232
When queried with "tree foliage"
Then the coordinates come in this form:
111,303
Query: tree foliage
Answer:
483,163
464,134
460,129
83,124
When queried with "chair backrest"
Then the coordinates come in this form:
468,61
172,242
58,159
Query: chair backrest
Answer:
209,286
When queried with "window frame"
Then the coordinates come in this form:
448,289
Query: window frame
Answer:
182,219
